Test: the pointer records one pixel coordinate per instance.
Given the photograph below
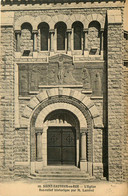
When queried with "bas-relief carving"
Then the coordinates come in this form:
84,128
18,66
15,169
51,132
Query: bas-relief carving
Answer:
59,70
86,80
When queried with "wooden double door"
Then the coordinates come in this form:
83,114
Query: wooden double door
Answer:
61,146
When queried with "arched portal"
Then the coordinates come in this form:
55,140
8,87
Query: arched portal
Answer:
59,137
65,109
62,138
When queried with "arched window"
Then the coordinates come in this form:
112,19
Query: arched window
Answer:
26,42
78,30
94,38
44,33
61,32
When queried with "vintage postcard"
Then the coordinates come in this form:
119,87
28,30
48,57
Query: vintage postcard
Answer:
64,98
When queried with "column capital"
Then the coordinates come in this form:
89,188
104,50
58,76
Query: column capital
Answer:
69,30
85,30
39,130
51,30
35,31
18,31
83,130
102,30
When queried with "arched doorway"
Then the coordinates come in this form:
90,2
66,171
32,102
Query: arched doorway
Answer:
81,111
62,138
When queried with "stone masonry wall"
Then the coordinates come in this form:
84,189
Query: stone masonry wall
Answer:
7,100
125,152
115,103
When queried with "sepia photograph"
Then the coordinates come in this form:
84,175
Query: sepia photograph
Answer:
64,98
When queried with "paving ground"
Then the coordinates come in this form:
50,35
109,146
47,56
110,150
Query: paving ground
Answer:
30,187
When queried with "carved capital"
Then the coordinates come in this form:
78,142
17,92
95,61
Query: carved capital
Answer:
18,31
52,31
39,130
85,30
83,130
35,31
102,30
69,30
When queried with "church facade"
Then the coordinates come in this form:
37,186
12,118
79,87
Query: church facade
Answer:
64,88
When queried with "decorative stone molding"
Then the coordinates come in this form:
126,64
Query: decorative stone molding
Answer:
56,106
24,19
83,130
95,17
38,130
71,94
68,20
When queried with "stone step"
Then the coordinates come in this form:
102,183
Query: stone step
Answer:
60,168
62,174
61,177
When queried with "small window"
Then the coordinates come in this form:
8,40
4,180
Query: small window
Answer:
61,32
44,33
78,30
26,42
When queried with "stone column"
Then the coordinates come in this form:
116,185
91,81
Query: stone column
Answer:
69,40
49,42
39,146
35,32
101,41
83,159
82,42
66,44
72,40
18,33
85,42
52,31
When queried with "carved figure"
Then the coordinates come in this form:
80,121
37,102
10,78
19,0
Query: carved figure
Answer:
97,84
86,80
60,74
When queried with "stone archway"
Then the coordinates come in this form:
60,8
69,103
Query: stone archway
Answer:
85,112
75,119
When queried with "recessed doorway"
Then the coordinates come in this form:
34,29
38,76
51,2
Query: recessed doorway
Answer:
61,146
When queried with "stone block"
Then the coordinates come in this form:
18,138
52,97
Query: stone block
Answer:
52,92
27,112
83,165
33,103
42,96
87,102
66,91
77,95
94,112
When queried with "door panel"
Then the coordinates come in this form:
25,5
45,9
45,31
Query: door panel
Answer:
54,138
61,146
68,155
54,155
68,138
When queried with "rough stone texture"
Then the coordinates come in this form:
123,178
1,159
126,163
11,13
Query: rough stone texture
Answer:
7,99
21,145
115,101
125,141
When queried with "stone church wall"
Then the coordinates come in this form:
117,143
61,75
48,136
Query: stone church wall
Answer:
7,100
15,143
115,101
